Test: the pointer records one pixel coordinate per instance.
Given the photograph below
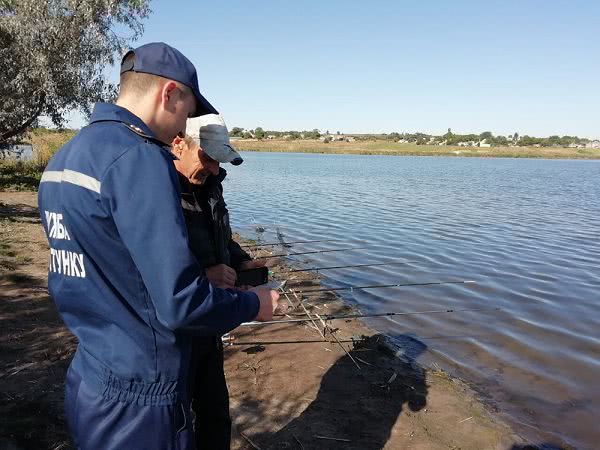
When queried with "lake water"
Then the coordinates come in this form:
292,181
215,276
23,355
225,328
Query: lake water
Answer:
23,152
527,231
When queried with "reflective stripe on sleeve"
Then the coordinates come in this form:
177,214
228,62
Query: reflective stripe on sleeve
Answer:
73,177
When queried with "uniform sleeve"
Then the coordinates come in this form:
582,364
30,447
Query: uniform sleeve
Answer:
141,191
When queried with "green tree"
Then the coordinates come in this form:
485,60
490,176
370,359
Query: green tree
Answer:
314,134
236,132
259,133
486,135
54,54
500,140
553,141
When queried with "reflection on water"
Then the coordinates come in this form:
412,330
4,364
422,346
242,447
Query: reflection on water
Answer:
526,230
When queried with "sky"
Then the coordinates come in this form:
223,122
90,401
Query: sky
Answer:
526,66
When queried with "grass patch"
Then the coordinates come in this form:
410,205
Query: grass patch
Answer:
16,175
21,259
19,175
46,143
16,277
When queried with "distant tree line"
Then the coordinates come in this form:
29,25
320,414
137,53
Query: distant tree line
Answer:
450,138
259,133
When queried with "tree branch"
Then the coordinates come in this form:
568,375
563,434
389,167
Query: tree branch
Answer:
21,128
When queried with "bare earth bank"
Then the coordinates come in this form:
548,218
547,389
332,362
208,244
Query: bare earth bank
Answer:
323,394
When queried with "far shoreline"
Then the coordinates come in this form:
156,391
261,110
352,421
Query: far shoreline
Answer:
380,147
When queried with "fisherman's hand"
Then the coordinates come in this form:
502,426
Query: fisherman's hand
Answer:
268,303
221,276
252,264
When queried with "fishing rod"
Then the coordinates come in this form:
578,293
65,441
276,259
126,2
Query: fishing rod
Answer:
361,316
312,252
283,244
316,269
374,286
300,341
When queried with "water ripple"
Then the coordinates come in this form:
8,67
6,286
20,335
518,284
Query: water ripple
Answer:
527,231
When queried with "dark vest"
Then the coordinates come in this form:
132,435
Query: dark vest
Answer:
207,220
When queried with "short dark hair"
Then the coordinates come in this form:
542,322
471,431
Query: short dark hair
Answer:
136,83
139,83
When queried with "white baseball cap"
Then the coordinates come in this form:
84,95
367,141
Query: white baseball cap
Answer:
210,132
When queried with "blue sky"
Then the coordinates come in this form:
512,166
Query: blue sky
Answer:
529,66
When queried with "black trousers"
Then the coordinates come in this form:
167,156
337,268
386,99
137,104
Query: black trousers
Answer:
210,397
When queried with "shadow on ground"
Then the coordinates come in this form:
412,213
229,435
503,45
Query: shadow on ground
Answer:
35,347
543,446
19,213
381,390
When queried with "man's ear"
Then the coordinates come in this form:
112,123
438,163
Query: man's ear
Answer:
168,93
178,140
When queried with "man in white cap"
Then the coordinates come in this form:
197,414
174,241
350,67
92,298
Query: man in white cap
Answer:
210,239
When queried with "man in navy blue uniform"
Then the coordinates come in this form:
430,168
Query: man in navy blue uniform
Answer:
120,270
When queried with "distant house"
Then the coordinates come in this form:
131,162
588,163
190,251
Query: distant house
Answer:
484,144
339,138
593,144
271,136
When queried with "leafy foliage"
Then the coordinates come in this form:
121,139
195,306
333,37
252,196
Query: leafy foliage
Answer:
54,54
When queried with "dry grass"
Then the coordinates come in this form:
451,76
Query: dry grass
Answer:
380,147
16,175
46,143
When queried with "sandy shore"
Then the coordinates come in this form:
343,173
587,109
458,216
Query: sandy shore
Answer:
316,394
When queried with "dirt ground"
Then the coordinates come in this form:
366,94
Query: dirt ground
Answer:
317,394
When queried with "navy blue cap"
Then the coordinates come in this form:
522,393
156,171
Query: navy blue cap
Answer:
158,58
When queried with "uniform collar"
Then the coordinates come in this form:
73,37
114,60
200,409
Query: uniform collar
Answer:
110,112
